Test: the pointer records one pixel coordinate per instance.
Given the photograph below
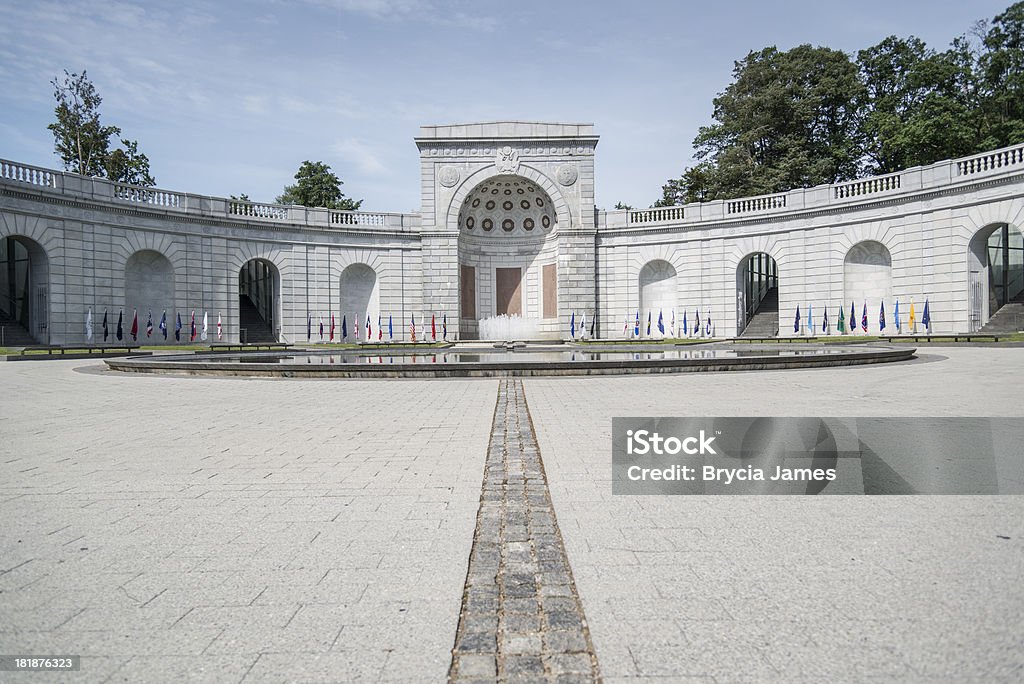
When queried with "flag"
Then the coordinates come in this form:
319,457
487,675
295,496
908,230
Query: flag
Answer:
842,321
896,315
433,328
355,327
583,324
206,326
120,327
309,326
864,317
625,324
149,324
135,325
648,323
796,323
444,327
810,318
106,332
220,330
344,326
412,326
881,317
192,327
672,326
853,318
391,331
330,332
177,329
636,326
593,325
912,323
369,330
88,326
163,324
926,319
572,325
686,331
824,321
661,323
380,330
321,327
710,327
696,321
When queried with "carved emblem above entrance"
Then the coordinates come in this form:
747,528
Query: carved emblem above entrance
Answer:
508,160
566,174
448,176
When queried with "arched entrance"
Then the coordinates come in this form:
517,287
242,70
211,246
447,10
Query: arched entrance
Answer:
657,292
24,311
149,286
757,292
508,249
258,293
996,279
867,280
360,294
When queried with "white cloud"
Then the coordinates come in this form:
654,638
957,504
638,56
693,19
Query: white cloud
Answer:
363,157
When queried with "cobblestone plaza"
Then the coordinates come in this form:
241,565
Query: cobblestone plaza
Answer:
211,529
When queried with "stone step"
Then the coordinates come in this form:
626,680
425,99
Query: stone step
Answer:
1009,319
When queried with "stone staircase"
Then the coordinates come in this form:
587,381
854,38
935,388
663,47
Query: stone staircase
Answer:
249,319
15,334
765,322
1009,318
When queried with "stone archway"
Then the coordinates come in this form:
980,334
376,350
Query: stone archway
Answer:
259,292
657,286
757,295
149,286
995,273
867,279
360,294
24,296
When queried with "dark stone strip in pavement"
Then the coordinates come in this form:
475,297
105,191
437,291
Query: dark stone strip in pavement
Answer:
521,616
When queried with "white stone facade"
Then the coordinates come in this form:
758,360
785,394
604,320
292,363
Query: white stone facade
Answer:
105,246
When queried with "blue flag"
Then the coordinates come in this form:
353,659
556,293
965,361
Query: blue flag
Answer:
685,329
824,321
636,326
810,319
593,325
896,315
344,328
391,332
163,324
572,325
120,328
661,323
927,318
696,322
864,317
881,317
648,323
796,323
709,323
106,330
177,329
309,326
853,318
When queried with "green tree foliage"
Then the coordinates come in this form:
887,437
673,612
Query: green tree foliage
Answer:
812,115
789,119
84,143
317,186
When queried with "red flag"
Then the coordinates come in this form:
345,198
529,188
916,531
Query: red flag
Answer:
135,325
433,328
332,327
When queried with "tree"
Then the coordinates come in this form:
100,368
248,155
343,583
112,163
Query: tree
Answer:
919,106
692,186
787,120
1001,67
83,142
623,205
317,186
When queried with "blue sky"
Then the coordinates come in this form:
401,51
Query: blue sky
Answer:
230,97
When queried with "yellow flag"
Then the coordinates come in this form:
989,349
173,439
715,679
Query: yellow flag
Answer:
913,319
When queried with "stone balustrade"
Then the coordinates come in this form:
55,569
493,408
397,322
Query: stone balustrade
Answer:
763,203
990,161
868,186
276,212
23,173
152,196
656,215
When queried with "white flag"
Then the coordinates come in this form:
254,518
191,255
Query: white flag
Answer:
206,326
88,326
220,331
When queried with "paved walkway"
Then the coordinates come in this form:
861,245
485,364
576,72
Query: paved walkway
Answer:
269,530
